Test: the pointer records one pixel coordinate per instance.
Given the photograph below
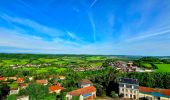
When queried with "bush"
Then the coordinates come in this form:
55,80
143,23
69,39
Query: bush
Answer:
113,94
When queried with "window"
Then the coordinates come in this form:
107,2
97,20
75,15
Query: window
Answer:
130,91
134,96
123,90
121,85
129,86
132,87
130,96
126,90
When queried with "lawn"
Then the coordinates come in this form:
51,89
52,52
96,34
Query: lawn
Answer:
97,64
13,85
146,65
163,67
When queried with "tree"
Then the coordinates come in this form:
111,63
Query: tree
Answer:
12,97
4,90
76,98
26,80
113,94
121,95
37,91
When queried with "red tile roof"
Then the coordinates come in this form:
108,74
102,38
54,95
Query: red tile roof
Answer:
2,78
41,81
85,81
55,87
166,92
162,91
23,85
13,88
20,80
82,91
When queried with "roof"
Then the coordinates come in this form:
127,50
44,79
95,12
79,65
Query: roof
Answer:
85,81
41,81
2,78
62,77
14,78
14,88
23,85
55,87
128,80
82,91
155,91
20,80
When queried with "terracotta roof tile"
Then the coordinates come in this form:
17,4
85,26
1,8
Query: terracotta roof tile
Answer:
85,81
162,91
2,78
20,80
166,92
41,81
82,91
55,87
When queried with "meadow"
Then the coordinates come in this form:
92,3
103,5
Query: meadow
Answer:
163,67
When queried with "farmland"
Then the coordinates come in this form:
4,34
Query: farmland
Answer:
163,67
46,64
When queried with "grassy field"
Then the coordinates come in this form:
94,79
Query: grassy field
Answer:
163,67
13,85
146,65
44,70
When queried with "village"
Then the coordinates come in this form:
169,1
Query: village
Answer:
128,88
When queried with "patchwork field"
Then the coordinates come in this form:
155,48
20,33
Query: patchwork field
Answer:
163,67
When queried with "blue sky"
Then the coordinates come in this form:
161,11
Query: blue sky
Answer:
117,27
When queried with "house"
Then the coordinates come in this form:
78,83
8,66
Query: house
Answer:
129,88
30,78
86,93
14,91
85,83
55,88
154,94
25,97
130,64
62,77
23,85
12,78
20,80
50,77
3,79
42,82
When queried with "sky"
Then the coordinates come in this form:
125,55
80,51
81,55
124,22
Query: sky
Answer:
99,27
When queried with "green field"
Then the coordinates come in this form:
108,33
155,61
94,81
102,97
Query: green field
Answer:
163,67
147,65
45,70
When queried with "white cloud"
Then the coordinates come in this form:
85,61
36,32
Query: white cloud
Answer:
93,25
33,44
151,34
73,36
32,24
92,4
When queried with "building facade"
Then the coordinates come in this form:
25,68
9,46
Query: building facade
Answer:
129,88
